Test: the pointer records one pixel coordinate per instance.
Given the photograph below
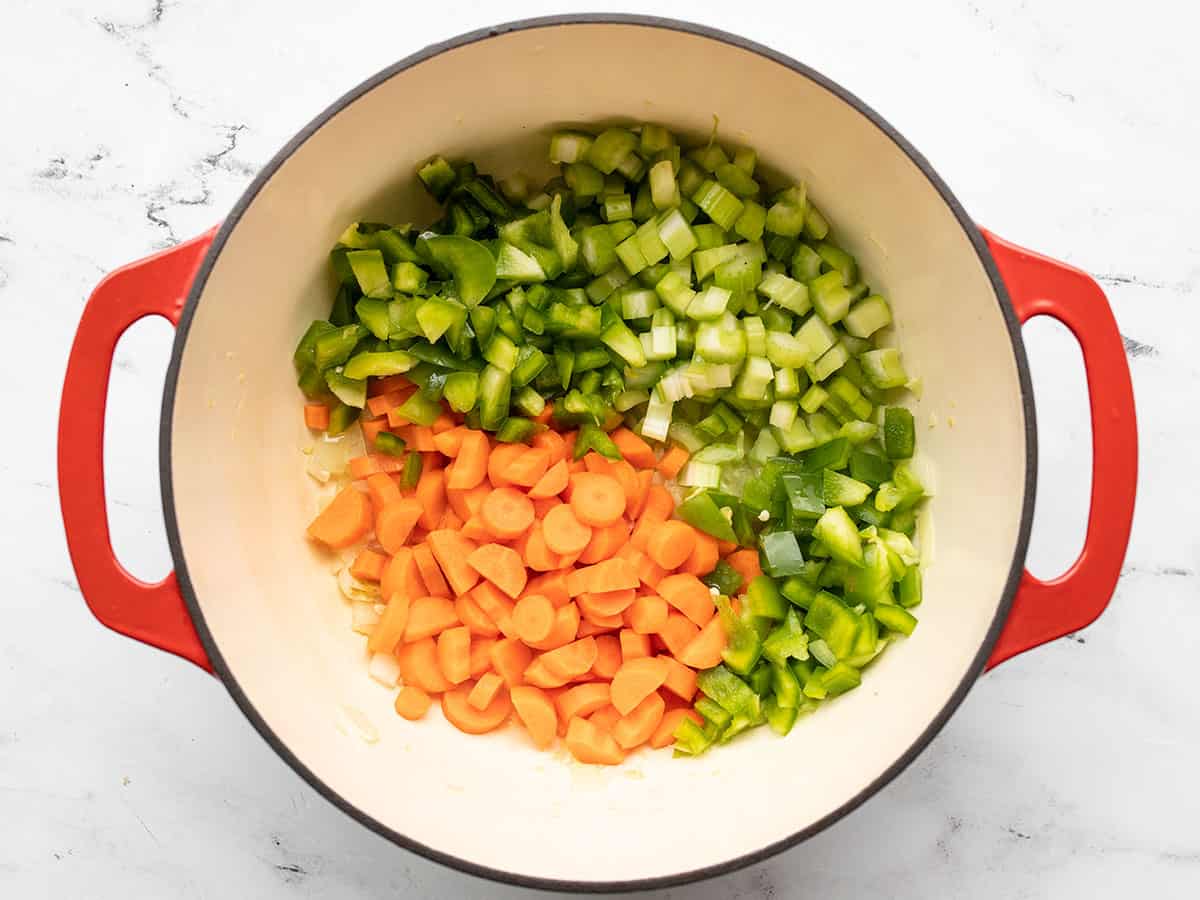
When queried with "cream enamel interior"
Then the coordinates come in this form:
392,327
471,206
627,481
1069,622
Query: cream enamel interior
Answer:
242,498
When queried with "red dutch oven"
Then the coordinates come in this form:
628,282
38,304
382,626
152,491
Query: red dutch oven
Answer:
252,602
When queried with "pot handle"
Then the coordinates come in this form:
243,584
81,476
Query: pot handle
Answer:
1045,610
152,613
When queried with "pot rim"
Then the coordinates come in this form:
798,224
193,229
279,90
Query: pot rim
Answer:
248,708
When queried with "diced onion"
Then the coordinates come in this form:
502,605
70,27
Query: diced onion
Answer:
384,668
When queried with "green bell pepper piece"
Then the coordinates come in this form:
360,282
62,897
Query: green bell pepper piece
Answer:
760,679
370,271
763,599
700,511
334,347
495,392
744,646
386,442
305,355
780,718
377,365
725,578
374,315
899,434
691,739
594,438
904,490
781,553
836,531
351,391
895,618
910,588
469,262
461,390
833,622
834,454
798,591
785,686
733,694
804,493
787,640
420,409
516,430
713,712
342,417
838,679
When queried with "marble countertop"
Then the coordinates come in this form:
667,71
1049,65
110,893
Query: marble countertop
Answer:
132,124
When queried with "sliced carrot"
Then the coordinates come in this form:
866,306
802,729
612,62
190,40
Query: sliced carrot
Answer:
498,462
382,404
507,513
677,633
649,572
481,656
552,483
633,448
451,550
596,500
449,441
542,507
582,700
485,690
565,630
389,383
704,555
429,616
420,439
576,465
635,681
671,544
444,422
724,548
401,576
648,614
496,606
362,466
645,478
536,711
419,665
395,523
431,573
690,596
672,462
593,628
636,727
680,681
596,464
627,477
533,617
473,617
589,743
605,718
633,645
412,703
382,489
565,534
454,653
431,494
569,439
704,650
539,675
345,520
510,659
501,566
368,565
466,501
544,417
537,555
606,603
608,657
599,623
664,734
659,502
573,659
462,715
371,429
746,564
527,469
471,464
475,530
316,416
553,586
553,443
605,542
450,520
610,575
390,628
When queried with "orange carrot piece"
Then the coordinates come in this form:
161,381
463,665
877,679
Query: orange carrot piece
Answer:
589,743
400,576
664,734
572,659
443,422
316,416
605,542
677,633
537,674
454,653
429,616
542,507
592,627
362,466
627,477
382,490
481,656
648,614
704,650
553,443
648,571
390,628
496,606
470,614
412,703
449,441
499,460
419,665
466,501
564,533
475,530
389,383
420,439
382,404
395,523
611,575
746,564
538,556
633,645
527,469
431,494
501,566
596,500
471,464
672,462
368,565
485,690
551,585
605,718
451,551
431,572
645,478
533,617
462,715
510,659
371,429
565,630
636,727
659,503
596,464
606,603
552,483
544,417
344,521
507,513
671,544
635,450
582,700
690,596
569,439
537,713
680,681
704,555
635,681
608,657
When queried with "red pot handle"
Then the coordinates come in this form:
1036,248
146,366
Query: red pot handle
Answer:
1045,610
152,613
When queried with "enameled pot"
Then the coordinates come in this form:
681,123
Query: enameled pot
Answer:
254,603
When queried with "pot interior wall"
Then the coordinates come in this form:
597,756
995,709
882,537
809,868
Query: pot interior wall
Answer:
242,497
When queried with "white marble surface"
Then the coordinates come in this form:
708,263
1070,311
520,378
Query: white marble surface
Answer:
130,124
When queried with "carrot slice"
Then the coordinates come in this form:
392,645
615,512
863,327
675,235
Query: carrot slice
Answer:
565,534
537,714
462,715
431,573
704,555
499,460
382,404
496,606
382,490
390,628
510,659
362,466
451,551
454,653
745,562
635,681
677,633
552,442
671,544
431,494
485,690
474,529
605,542
664,734
466,501
481,656
633,645
573,659
429,616
542,507
627,477
608,657
582,700
539,675
533,617
371,429
596,500
680,681
501,566
368,565
659,502
605,718
553,586
345,520
444,422
690,596
552,483
507,513
606,603
527,469
473,617
566,629
471,463
412,703
645,479
610,575
672,462
449,441
400,576
648,614
635,728
704,650
589,743
596,464
451,521
419,665
538,556
395,523
633,448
